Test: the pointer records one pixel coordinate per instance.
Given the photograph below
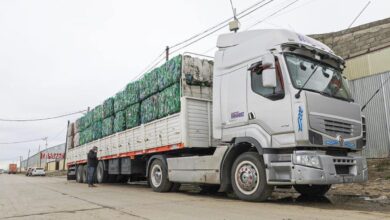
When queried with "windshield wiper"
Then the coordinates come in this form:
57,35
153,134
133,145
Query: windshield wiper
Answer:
300,90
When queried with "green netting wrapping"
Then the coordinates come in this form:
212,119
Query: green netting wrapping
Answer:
97,130
108,108
132,116
170,72
131,94
149,84
169,101
86,136
88,119
108,126
119,102
149,109
120,121
97,113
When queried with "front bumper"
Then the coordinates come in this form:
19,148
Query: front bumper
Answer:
332,169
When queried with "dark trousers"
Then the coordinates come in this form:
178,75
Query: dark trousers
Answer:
91,174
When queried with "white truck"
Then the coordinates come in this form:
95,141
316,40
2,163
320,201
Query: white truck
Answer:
279,114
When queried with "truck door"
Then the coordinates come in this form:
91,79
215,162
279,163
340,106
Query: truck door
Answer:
268,107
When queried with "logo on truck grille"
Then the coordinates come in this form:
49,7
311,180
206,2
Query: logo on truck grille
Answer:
340,139
300,117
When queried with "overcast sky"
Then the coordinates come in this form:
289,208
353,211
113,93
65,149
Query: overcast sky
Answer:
58,57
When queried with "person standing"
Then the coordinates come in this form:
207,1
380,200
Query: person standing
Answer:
92,165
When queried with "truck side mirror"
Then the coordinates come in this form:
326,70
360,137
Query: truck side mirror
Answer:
269,73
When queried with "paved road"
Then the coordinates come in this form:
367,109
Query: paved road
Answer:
55,198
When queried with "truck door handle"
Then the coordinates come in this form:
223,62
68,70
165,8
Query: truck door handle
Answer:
251,116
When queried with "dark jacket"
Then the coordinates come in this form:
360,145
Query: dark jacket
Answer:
92,159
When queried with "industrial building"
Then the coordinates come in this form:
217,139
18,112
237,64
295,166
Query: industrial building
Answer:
366,49
50,159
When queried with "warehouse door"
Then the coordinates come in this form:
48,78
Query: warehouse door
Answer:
57,165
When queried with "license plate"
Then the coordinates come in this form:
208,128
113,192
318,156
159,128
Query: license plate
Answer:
348,179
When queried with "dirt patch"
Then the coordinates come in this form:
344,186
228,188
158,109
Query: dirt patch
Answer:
378,183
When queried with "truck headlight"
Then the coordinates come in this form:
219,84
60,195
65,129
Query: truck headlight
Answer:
308,160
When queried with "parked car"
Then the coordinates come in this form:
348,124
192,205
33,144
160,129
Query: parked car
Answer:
1,171
38,172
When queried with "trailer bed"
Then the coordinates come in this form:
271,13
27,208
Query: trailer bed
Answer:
190,128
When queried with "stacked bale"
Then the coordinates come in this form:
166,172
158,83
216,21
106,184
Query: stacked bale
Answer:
108,108
149,84
169,73
120,121
133,116
169,101
149,109
156,95
108,126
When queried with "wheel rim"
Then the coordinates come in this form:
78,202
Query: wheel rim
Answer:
156,175
247,177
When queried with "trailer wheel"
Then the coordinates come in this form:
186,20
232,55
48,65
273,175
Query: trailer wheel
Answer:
85,173
101,174
248,178
312,190
79,174
158,177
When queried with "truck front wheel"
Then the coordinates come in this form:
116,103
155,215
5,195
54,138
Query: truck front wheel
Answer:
158,177
248,178
312,190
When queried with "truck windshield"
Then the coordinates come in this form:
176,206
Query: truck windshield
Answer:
326,80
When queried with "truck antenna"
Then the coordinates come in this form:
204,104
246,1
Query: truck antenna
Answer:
235,24
374,94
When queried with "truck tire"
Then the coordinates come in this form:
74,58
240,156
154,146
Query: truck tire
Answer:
312,190
79,174
101,174
85,174
158,176
249,179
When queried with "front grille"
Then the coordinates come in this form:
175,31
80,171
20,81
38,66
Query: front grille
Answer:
334,127
337,127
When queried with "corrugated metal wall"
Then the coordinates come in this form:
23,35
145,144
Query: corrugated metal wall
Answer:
377,112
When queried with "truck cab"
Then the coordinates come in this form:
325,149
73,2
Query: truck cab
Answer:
282,95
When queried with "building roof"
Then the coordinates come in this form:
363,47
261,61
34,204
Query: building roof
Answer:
358,40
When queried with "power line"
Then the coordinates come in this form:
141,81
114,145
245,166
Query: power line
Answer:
360,13
148,66
157,61
276,12
42,119
215,26
241,16
21,142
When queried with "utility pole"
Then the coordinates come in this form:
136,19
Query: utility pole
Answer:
167,53
47,154
28,158
20,164
40,156
66,146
